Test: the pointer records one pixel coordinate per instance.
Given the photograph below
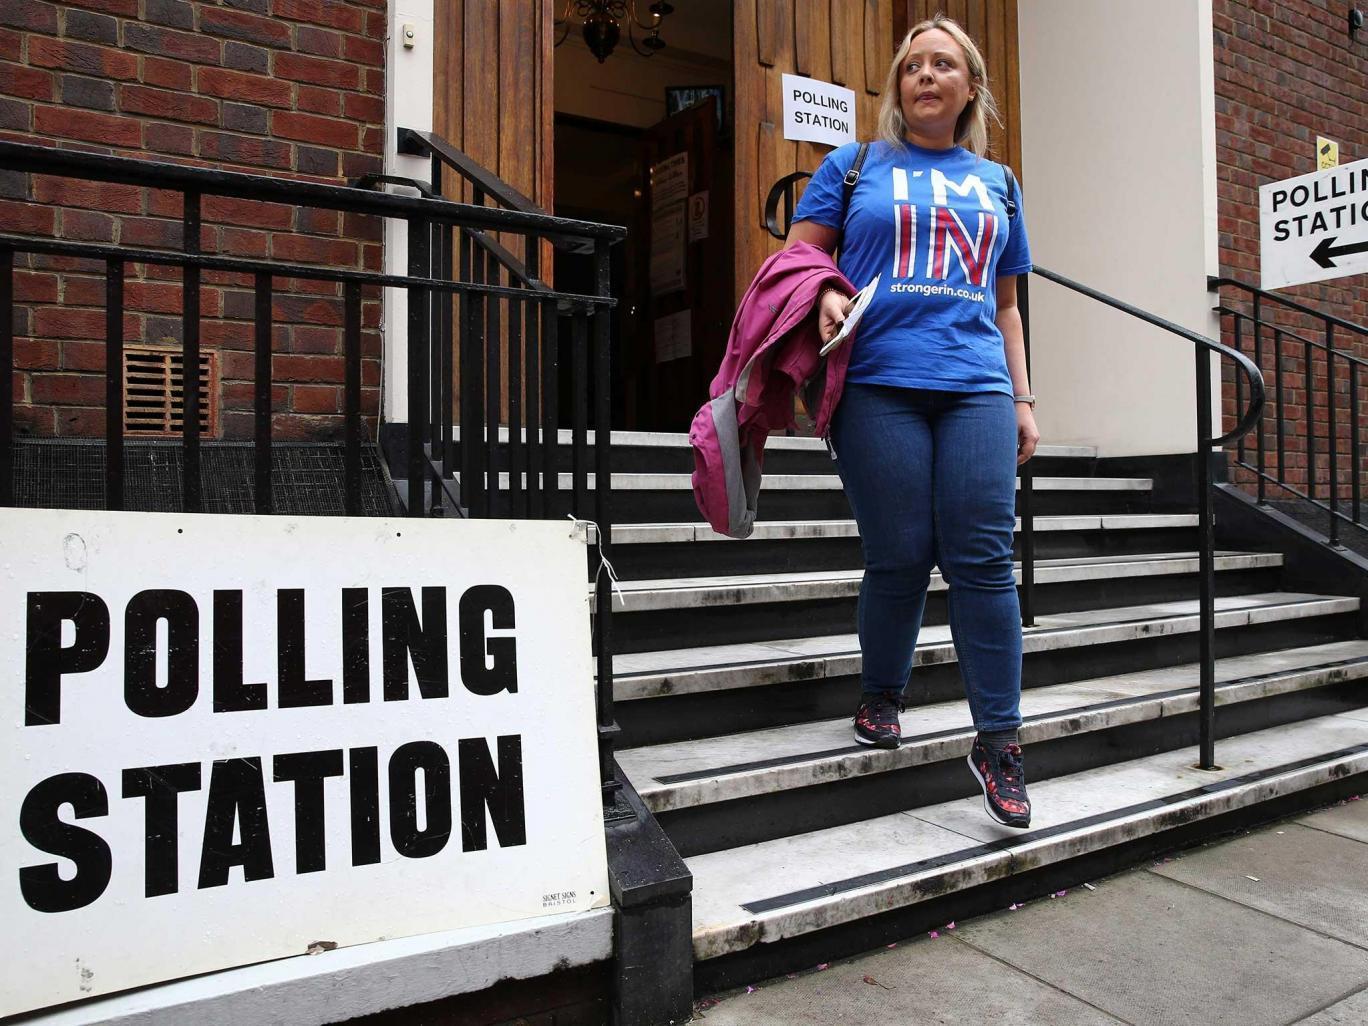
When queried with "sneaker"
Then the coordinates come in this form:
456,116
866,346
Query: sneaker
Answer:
876,721
1002,775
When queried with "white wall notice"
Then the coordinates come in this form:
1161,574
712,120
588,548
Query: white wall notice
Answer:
674,336
229,739
818,111
1314,227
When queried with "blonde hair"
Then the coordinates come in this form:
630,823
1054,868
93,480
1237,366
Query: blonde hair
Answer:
971,130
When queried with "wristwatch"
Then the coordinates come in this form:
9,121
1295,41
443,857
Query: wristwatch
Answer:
1029,399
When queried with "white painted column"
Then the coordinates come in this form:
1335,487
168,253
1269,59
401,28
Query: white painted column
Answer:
1119,179
408,75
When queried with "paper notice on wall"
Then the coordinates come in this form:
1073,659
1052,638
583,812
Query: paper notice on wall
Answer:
674,336
667,250
817,111
698,216
669,182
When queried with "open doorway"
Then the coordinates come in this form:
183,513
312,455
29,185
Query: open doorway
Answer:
648,143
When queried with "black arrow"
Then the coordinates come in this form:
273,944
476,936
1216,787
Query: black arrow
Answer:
1324,255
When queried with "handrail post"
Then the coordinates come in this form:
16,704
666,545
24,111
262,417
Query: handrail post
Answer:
603,593
418,324
7,365
1258,362
1027,475
1333,444
1207,571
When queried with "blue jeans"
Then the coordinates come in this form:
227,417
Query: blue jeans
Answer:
931,477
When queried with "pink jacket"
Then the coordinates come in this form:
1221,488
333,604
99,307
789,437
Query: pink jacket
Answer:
772,352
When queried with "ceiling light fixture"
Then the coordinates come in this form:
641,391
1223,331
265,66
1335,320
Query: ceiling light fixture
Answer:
602,29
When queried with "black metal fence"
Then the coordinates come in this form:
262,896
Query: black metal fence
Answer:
1309,375
476,315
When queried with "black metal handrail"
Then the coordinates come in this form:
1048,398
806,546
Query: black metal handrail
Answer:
492,293
1254,316
1206,441
529,450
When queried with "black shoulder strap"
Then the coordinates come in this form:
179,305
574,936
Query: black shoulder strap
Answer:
1011,191
851,179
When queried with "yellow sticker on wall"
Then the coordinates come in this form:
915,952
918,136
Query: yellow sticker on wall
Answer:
1327,153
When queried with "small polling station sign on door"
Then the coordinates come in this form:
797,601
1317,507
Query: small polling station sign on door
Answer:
228,739
1314,227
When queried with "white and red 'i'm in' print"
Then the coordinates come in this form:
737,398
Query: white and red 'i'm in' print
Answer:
948,232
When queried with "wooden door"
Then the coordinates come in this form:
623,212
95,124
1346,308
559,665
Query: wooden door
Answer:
494,88
992,24
848,42
683,282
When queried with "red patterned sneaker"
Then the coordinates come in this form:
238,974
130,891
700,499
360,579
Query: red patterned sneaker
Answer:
1002,775
876,721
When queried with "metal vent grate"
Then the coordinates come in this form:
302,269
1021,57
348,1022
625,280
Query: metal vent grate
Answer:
153,393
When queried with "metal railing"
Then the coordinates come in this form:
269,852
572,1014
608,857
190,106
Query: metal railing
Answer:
1249,318
1206,442
505,313
529,321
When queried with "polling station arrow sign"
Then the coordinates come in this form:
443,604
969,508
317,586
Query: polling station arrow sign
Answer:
1314,227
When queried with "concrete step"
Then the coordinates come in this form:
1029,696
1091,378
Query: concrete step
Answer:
757,785
815,896
643,551
753,589
685,693
738,608
657,497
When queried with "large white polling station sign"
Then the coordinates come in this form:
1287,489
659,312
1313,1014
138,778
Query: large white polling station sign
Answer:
1314,227
818,111
232,739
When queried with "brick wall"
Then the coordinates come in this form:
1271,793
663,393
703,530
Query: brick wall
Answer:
291,88
1286,72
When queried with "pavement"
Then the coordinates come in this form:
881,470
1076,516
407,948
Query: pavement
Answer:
1269,926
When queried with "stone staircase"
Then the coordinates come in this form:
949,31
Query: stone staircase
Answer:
737,671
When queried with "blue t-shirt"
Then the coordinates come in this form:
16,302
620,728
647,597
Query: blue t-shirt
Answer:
934,224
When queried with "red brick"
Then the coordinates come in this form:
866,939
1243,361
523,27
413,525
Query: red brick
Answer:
363,50
35,287
316,71
35,354
175,75
359,107
82,58
106,129
290,368
312,250
316,399
72,192
249,28
152,232
25,83
241,243
34,420
244,149
241,395
244,88
319,101
11,44
309,128
68,389
87,226
128,8
65,322
320,12
168,140
161,103
250,213
27,218
84,356
83,290
289,427
31,15
308,339
319,42
314,221
165,42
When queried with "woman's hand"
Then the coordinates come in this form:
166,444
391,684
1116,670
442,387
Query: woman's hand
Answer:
832,311
1027,434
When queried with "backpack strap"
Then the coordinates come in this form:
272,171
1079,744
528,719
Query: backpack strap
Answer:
1011,204
852,178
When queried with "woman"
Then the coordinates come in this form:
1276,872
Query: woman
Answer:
936,412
